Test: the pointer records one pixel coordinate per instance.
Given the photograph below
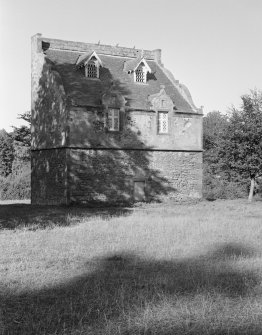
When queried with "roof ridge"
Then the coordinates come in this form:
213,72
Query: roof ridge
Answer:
106,49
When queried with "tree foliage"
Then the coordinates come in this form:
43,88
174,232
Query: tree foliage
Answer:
6,153
217,182
214,125
22,134
15,161
242,145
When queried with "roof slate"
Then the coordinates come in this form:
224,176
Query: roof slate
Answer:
88,92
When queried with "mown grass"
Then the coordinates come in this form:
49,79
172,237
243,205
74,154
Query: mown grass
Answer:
181,269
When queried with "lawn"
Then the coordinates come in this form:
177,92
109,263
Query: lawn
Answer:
150,269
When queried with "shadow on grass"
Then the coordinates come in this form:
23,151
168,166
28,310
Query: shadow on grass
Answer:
13,216
105,300
194,330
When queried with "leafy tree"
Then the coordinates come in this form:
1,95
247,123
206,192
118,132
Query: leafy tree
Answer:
242,145
15,161
22,134
22,141
6,153
214,127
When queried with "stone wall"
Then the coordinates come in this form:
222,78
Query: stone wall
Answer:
110,176
138,129
49,177
48,102
183,170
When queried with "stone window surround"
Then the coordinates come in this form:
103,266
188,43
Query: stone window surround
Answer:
113,117
159,113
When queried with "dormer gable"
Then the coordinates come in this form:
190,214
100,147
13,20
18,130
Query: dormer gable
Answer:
91,62
160,100
139,68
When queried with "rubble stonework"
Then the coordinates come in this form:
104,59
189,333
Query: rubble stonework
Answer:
77,158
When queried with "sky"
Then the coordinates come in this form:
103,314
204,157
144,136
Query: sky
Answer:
214,47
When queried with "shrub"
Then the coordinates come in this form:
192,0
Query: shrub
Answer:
215,187
15,187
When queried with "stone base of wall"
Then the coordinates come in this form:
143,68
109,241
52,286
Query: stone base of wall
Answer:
121,176
64,176
49,177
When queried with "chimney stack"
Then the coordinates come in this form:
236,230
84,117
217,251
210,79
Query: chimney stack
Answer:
157,56
36,43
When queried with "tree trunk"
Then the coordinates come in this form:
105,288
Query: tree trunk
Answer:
251,191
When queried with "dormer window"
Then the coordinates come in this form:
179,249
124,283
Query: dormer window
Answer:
92,68
92,64
140,73
139,68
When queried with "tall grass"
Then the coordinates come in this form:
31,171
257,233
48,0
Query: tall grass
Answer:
181,269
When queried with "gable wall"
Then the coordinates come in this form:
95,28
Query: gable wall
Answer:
48,102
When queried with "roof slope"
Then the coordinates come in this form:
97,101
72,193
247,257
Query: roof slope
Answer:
88,92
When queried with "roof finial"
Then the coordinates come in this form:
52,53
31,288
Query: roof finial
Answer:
142,53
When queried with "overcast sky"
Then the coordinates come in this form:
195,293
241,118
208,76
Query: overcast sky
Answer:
214,47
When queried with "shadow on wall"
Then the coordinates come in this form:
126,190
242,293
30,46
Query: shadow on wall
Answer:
102,174
115,176
48,115
113,298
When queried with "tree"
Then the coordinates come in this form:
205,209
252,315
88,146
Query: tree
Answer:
22,134
15,161
216,183
214,127
242,145
6,153
22,142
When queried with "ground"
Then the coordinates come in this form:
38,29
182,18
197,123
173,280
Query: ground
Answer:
151,269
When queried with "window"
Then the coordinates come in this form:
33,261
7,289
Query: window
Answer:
91,63
92,68
140,74
139,69
162,122
113,120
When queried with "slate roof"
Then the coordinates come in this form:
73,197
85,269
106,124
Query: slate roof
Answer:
88,92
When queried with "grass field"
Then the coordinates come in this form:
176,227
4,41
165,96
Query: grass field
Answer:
151,269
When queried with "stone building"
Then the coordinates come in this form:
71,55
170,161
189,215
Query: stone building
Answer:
110,125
